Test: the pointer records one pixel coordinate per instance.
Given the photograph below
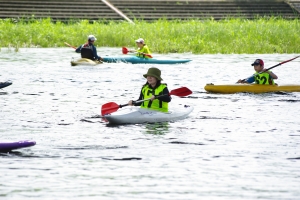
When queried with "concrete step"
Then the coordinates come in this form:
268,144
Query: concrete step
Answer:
148,10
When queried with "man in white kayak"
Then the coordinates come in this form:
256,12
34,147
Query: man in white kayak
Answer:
88,50
151,90
261,76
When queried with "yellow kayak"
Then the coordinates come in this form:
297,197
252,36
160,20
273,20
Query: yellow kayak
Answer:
251,88
85,61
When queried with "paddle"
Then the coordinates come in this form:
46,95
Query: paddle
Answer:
113,107
70,45
125,51
272,67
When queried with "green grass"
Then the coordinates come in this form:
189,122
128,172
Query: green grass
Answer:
261,35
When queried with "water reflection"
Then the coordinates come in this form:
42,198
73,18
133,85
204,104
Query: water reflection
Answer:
251,140
160,128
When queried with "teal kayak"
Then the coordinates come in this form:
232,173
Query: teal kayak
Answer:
139,60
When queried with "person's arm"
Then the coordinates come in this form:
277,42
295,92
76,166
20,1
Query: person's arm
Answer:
95,53
272,74
146,50
78,50
166,98
248,80
132,103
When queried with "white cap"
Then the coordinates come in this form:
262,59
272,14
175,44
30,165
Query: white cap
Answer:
140,40
92,38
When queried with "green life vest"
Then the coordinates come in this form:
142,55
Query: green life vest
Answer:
263,79
156,104
142,51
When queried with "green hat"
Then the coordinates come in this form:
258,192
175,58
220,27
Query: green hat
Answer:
155,72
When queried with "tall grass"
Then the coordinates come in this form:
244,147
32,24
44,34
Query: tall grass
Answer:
261,35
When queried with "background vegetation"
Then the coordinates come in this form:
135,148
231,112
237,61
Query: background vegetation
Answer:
262,35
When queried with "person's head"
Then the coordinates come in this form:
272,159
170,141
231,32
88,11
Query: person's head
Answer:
153,76
140,42
258,65
91,38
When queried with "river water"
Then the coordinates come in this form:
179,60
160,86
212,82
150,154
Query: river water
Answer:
237,146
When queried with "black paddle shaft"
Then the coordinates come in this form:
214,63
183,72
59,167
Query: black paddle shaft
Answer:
274,66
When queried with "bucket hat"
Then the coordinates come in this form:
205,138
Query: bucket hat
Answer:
258,62
155,72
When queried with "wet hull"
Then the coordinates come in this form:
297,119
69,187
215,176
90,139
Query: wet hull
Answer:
138,60
251,88
137,115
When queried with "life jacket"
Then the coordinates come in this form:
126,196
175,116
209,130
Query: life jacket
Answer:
263,79
156,104
87,51
142,51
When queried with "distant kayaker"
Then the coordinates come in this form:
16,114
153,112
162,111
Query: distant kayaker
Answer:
151,90
88,50
142,50
262,76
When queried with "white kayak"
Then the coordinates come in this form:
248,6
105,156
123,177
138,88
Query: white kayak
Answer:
137,115
85,61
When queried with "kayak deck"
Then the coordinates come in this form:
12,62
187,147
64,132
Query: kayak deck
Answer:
139,60
137,115
251,88
85,61
9,146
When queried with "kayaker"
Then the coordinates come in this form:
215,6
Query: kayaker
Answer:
88,50
143,49
261,76
151,90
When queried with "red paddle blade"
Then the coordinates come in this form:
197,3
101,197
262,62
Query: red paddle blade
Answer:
109,108
124,50
181,92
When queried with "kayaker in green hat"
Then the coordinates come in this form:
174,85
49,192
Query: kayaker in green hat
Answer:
151,90
88,50
262,76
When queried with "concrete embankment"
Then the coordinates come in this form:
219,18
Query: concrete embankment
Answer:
148,10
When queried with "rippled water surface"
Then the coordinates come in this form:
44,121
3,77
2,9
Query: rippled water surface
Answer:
237,146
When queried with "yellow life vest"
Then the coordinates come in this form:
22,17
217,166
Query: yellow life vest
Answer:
156,104
142,51
263,79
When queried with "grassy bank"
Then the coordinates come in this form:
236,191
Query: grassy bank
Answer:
237,36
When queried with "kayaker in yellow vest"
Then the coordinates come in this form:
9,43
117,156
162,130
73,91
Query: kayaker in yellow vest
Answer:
261,76
143,49
151,90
